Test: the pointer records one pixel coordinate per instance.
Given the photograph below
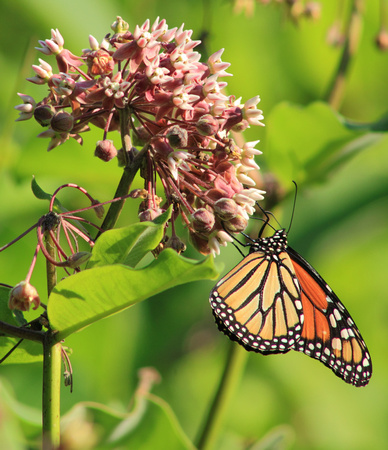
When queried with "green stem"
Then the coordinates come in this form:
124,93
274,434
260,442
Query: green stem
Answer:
336,90
132,165
234,366
51,392
20,332
51,370
122,190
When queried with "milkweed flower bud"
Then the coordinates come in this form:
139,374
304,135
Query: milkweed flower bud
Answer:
43,115
75,260
226,208
105,150
207,125
119,25
176,244
99,209
236,224
203,220
62,122
150,214
22,296
177,137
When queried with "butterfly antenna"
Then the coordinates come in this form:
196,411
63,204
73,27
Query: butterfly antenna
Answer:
267,215
293,207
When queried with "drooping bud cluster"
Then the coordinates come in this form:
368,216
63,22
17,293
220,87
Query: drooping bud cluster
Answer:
175,108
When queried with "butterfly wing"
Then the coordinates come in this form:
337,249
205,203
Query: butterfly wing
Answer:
258,302
329,333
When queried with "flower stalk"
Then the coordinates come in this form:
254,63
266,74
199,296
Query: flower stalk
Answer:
336,90
234,366
52,351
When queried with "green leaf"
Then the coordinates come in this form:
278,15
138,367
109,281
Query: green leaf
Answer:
307,144
93,294
128,245
27,351
42,195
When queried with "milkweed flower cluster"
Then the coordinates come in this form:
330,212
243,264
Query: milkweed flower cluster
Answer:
173,105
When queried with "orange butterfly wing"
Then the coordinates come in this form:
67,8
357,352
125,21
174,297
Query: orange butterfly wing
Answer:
274,301
258,302
329,333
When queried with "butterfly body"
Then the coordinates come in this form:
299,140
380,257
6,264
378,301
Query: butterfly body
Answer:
274,301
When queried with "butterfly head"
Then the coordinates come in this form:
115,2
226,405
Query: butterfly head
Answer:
273,244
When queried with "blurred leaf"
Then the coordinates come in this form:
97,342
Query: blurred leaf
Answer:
150,423
279,438
5,313
128,245
307,144
93,294
158,424
27,351
18,421
380,125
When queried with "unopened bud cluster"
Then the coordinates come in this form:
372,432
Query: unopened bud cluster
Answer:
176,109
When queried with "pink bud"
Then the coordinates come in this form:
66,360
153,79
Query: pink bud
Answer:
43,115
22,296
177,137
226,208
201,244
150,214
105,150
203,220
62,122
241,126
207,125
236,225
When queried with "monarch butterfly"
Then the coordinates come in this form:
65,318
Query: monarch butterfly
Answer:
274,301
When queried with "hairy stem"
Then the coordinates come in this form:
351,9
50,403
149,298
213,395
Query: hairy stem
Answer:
122,190
51,392
51,270
234,366
51,368
336,90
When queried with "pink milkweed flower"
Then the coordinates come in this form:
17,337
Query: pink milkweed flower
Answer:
176,108
27,108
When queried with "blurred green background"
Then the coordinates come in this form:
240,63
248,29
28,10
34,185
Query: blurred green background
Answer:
340,226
